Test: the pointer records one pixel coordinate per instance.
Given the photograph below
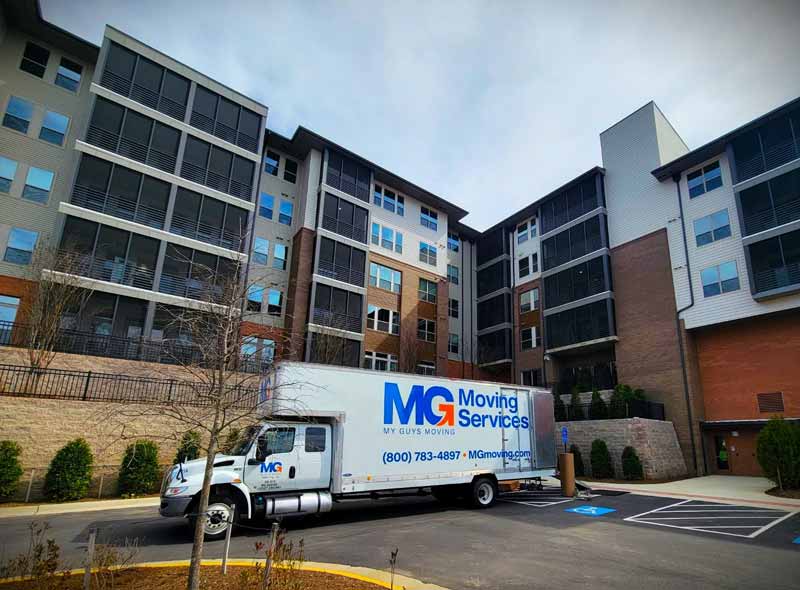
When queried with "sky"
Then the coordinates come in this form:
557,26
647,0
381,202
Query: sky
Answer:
489,105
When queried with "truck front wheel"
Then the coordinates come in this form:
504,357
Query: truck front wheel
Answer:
218,517
483,493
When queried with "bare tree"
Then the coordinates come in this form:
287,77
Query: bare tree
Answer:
409,351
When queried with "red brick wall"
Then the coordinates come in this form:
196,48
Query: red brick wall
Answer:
299,291
741,359
15,287
531,358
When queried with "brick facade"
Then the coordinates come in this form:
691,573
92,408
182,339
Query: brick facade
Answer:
299,292
532,358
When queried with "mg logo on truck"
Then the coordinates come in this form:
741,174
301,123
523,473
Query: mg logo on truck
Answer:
434,406
274,467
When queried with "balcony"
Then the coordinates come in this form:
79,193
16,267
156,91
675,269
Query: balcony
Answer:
142,95
216,181
191,228
110,270
130,149
772,217
191,288
776,278
768,159
340,321
89,198
341,273
223,131
348,230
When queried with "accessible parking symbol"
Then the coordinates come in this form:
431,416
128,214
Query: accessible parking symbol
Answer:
587,510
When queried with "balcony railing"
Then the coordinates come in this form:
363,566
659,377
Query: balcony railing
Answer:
191,288
634,408
341,273
114,270
168,352
143,95
348,230
191,228
587,378
123,146
767,160
324,317
784,213
775,278
224,132
89,198
216,181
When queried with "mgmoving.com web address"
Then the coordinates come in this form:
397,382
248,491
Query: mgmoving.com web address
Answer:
506,454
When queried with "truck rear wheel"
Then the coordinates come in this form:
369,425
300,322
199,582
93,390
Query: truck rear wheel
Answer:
483,493
218,517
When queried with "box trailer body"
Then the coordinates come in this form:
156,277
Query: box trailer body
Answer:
331,433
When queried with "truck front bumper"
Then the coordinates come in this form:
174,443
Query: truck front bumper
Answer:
174,506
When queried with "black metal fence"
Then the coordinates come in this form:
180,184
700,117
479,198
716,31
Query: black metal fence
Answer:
168,352
635,408
599,376
19,381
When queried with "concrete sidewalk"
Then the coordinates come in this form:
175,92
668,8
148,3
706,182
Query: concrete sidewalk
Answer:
731,489
66,507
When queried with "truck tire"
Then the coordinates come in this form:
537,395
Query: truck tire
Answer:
483,492
218,516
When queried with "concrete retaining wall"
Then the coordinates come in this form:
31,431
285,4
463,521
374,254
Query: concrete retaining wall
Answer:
654,440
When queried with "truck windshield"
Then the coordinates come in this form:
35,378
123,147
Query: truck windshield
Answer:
245,440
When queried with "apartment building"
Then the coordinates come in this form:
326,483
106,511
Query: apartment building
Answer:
670,269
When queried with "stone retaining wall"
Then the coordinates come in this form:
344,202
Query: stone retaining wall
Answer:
654,440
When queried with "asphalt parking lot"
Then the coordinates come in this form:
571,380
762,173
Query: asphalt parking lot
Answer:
528,540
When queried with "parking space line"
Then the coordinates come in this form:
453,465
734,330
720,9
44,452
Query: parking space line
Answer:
772,524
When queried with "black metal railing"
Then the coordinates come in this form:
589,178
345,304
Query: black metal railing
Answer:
224,132
165,352
19,381
190,287
586,378
131,149
348,230
96,200
770,158
142,95
341,273
192,228
775,278
115,270
216,181
772,217
635,408
342,321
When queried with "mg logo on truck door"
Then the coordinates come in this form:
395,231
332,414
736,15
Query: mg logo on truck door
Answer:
434,405
274,467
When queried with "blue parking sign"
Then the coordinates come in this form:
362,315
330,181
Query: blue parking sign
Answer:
564,435
587,510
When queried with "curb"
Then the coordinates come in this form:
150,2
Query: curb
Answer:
364,574
69,507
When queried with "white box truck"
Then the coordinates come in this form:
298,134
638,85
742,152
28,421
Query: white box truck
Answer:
335,433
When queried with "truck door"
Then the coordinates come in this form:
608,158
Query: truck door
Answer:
272,463
314,457
516,440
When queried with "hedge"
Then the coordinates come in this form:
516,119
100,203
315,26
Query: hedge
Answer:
189,447
580,471
10,467
602,468
631,465
139,472
778,452
70,472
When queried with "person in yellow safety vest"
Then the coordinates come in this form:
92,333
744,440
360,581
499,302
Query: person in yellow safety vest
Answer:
723,455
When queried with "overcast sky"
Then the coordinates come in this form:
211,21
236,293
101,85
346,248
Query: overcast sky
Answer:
487,104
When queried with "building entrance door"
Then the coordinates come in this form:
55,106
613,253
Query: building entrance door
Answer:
721,452
742,454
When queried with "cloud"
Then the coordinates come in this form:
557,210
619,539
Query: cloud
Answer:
487,104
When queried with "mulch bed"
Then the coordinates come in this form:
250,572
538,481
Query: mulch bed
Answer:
794,494
172,578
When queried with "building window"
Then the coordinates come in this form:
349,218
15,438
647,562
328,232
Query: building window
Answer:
54,128
427,291
720,279
383,320
427,253
452,274
712,228
381,361
69,75
389,200
384,278
376,233
534,231
429,218
21,243
529,300
703,180
255,297
274,302
261,251
452,308
8,313
8,170
279,257
452,343
18,114
522,233
387,238
290,171
266,205
532,377
535,262
453,241
286,212
426,330
38,185
524,266
271,163
34,60
426,368
528,338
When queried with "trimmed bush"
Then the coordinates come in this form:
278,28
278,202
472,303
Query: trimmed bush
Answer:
10,467
778,452
598,409
558,407
631,465
580,471
139,472
617,407
70,472
231,440
575,407
602,468
189,447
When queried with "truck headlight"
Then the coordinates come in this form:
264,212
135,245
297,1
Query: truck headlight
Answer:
176,491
